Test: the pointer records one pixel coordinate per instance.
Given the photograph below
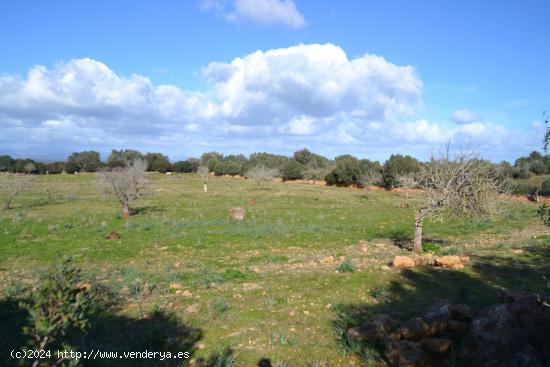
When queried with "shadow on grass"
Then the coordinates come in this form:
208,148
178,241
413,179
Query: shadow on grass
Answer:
405,242
159,332
414,291
145,210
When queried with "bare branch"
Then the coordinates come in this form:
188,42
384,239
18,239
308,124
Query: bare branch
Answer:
13,185
261,174
126,184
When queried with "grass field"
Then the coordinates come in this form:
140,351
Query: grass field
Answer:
267,287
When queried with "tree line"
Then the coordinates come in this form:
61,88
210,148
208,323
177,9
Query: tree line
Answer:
344,170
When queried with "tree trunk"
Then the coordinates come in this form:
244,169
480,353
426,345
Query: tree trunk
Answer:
407,194
125,211
418,221
205,188
7,204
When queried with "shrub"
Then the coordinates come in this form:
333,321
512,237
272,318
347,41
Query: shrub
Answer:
545,187
524,188
7,163
398,165
55,167
431,247
62,304
293,170
183,167
157,162
346,172
87,161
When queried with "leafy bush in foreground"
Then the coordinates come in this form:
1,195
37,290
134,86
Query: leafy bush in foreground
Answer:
60,305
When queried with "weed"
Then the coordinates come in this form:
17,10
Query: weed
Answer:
377,292
346,266
432,248
281,339
218,308
234,274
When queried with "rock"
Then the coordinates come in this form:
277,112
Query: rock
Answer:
404,353
515,333
237,213
464,258
403,262
327,260
374,330
194,308
450,261
436,346
113,236
461,312
456,326
414,329
187,293
518,296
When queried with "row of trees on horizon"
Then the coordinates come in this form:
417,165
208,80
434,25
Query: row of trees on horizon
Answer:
304,164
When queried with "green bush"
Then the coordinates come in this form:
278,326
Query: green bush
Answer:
60,306
432,248
545,187
524,188
183,167
157,162
293,170
398,165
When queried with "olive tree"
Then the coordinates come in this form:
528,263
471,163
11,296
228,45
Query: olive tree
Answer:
204,173
464,186
29,167
13,185
126,184
260,174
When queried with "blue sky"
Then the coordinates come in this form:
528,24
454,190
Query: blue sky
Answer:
368,78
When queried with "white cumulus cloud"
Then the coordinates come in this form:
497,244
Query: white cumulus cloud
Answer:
280,100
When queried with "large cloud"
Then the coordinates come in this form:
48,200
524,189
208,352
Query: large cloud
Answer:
313,80
264,12
278,100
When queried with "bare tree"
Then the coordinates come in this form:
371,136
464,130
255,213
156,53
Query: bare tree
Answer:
11,186
317,172
126,184
204,173
261,174
464,186
29,167
370,177
407,181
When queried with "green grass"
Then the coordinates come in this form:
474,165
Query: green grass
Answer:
260,287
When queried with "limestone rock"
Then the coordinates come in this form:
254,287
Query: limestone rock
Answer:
414,329
374,330
436,346
403,262
403,353
237,213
